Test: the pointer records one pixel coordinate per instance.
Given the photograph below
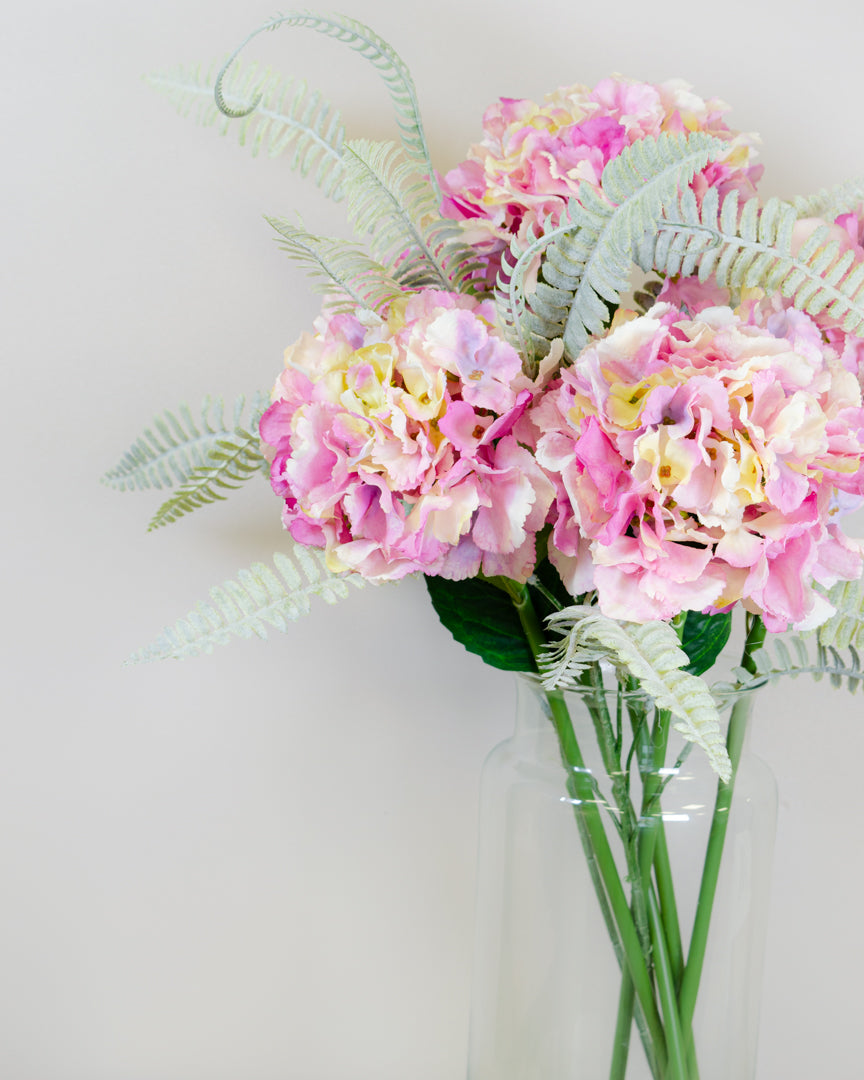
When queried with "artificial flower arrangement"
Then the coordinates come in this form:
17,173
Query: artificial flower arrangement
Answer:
592,487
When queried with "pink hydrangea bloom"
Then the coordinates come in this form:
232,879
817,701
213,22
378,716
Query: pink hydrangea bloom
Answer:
534,158
700,459
397,448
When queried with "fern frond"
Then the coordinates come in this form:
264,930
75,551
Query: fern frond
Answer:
235,459
651,653
407,235
338,267
178,444
787,656
751,246
288,117
845,628
247,606
831,202
392,69
587,267
530,331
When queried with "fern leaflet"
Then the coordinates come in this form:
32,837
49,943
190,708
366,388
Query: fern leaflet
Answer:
526,331
788,656
247,606
288,117
408,236
751,246
234,460
169,453
845,628
588,266
652,654
339,267
830,203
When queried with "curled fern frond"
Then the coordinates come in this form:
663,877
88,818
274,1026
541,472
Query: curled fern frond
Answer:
369,45
338,267
747,246
407,235
247,606
287,117
235,459
178,444
651,653
831,202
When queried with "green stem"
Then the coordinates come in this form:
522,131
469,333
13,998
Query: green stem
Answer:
675,1041
623,1026
668,905
652,758
716,840
585,805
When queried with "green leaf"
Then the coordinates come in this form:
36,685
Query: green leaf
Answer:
482,617
704,638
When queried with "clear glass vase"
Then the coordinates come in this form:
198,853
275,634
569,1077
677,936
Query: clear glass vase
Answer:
554,994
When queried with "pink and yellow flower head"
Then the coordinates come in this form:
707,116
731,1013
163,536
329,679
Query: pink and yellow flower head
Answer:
699,459
534,158
397,443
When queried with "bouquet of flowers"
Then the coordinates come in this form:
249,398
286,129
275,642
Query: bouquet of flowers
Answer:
601,396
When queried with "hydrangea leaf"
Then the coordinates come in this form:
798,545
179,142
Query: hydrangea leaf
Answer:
482,617
704,638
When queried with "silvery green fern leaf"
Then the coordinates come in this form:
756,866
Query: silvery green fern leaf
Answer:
528,330
406,233
177,444
830,203
787,656
288,118
233,460
388,64
247,606
845,628
587,268
340,267
751,246
651,653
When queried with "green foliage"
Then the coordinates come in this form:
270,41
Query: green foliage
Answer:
247,606
482,617
177,445
340,267
235,459
751,246
704,638
830,203
288,117
845,628
586,269
527,330
398,211
788,656
651,654
392,69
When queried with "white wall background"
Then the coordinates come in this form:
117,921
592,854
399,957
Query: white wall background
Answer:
259,865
